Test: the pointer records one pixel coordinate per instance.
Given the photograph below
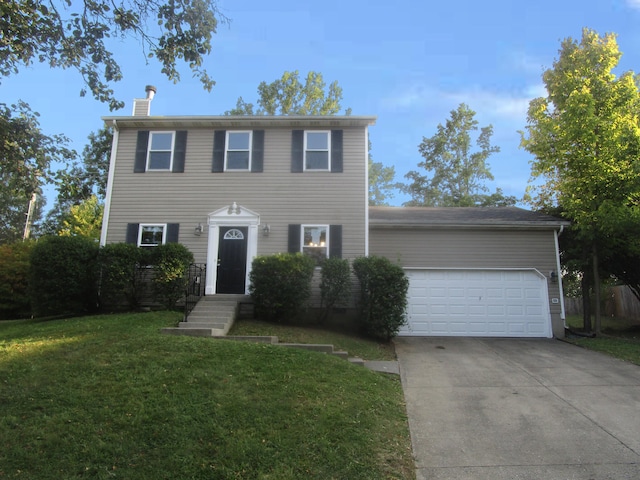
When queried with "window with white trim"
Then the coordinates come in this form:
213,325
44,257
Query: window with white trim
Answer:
160,151
315,242
238,151
152,235
317,150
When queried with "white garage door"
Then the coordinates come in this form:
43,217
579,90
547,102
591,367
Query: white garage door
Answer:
477,303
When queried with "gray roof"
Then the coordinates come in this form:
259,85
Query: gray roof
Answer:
462,217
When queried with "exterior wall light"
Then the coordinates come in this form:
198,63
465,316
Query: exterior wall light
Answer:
266,229
198,230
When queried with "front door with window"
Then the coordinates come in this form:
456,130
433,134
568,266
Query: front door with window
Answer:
232,260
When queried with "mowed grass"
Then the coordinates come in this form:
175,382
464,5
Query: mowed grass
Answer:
620,337
357,346
110,397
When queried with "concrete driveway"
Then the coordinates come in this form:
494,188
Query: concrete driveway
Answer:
519,409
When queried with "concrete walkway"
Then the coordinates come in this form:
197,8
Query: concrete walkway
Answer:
493,409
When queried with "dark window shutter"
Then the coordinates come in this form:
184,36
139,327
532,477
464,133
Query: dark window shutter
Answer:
219,137
294,238
179,151
140,164
297,151
132,233
172,232
335,241
257,151
336,151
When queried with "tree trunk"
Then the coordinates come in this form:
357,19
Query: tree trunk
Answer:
585,285
596,290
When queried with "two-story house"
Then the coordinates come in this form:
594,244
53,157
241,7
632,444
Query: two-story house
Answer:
233,187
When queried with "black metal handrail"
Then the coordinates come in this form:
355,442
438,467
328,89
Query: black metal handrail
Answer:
195,286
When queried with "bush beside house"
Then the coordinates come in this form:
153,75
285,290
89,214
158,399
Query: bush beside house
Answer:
63,276
14,280
383,296
281,285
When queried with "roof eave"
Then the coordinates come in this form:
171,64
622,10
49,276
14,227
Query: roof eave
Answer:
472,226
240,121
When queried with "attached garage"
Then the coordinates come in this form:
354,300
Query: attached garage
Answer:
480,272
479,303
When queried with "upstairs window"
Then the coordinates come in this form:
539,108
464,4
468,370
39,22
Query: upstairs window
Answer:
317,150
160,156
151,235
238,152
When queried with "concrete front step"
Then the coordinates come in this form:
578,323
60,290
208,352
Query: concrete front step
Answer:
190,324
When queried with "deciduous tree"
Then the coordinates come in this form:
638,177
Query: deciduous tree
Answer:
76,34
585,137
289,96
453,174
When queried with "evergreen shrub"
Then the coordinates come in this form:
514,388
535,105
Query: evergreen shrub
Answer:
63,276
383,296
14,280
281,285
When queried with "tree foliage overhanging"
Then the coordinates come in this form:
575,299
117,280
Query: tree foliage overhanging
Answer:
585,137
82,34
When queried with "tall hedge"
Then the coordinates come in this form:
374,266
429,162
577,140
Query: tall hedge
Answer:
170,266
120,279
281,285
383,296
14,280
335,285
63,276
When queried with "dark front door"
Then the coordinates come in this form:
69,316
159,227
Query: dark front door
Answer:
232,260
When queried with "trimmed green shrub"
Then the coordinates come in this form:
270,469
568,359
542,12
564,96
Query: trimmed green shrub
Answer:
14,280
120,278
62,277
335,285
170,266
383,296
281,285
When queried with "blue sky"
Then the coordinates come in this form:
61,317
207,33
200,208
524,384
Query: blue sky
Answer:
408,62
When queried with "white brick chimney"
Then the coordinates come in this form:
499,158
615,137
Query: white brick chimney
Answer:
142,106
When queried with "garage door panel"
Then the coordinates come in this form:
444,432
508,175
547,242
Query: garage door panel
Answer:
477,303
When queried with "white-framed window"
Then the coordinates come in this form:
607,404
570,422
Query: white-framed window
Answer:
315,241
152,234
238,151
160,151
317,150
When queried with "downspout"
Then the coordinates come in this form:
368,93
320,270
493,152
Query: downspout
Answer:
366,192
563,316
107,200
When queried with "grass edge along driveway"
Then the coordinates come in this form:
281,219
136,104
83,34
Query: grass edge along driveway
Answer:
110,397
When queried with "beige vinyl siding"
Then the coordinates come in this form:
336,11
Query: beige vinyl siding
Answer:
472,248
277,195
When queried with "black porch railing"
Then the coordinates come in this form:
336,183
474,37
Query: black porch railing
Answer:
195,286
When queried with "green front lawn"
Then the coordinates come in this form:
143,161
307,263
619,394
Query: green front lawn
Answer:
620,338
110,397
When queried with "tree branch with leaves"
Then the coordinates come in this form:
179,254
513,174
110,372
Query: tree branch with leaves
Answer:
76,34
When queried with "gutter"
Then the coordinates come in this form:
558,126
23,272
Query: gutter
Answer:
556,234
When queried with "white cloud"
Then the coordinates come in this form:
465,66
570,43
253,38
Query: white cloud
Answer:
490,103
635,4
